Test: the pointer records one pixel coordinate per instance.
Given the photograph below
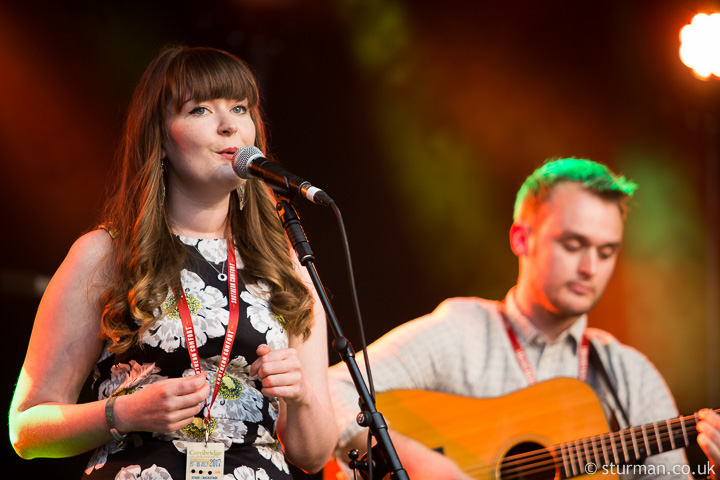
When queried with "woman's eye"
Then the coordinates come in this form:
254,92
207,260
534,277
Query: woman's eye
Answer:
198,111
239,109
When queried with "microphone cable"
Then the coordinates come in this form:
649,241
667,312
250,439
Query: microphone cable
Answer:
358,319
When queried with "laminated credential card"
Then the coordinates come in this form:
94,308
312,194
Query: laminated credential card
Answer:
205,461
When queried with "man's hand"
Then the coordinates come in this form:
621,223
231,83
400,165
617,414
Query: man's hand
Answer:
709,437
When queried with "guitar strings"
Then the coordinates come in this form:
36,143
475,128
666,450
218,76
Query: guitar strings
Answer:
550,463
580,453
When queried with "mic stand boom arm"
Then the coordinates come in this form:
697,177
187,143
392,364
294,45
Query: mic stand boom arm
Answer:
370,417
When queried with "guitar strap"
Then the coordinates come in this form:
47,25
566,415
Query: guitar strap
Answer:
599,366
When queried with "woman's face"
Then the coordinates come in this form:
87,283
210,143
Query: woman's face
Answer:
201,140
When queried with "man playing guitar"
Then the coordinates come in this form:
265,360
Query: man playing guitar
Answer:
567,231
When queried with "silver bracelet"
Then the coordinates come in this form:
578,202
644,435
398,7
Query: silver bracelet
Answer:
110,420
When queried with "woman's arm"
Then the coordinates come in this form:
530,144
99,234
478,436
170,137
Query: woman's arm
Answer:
309,431
65,343
45,420
298,376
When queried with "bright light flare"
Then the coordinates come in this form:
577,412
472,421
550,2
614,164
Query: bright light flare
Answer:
700,45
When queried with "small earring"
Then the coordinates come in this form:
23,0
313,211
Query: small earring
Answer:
241,194
162,183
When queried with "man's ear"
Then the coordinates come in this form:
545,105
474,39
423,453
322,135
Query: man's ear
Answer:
519,238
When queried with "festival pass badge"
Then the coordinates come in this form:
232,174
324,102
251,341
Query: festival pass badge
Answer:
205,461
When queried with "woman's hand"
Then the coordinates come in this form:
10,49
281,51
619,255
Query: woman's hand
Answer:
280,372
163,406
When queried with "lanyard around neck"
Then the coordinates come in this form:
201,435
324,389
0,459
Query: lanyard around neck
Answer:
583,352
189,330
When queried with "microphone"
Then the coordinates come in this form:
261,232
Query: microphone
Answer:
249,162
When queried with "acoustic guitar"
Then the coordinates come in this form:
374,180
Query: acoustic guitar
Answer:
552,430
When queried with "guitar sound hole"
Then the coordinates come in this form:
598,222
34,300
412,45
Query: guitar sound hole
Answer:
528,461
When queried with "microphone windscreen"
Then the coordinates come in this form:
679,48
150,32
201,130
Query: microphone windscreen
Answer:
242,158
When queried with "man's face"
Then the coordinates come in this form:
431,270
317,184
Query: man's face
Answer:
571,249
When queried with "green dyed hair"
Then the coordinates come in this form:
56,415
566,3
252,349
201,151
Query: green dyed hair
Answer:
595,177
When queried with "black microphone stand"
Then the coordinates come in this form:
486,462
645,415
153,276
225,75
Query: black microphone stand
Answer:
369,416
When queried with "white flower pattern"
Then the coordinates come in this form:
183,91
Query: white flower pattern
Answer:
239,409
126,378
262,318
207,306
100,457
212,249
134,472
247,473
238,399
224,432
275,455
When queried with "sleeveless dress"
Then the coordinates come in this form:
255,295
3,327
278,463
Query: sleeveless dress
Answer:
243,419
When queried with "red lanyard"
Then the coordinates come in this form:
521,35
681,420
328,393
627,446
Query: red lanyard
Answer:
189,331
522,359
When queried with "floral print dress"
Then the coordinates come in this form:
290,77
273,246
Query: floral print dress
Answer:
243,419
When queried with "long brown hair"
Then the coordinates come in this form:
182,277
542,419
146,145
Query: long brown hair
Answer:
147,257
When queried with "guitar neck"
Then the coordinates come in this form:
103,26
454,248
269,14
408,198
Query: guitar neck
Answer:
624,447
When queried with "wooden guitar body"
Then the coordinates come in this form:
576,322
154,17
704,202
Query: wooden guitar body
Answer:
479,433
552,430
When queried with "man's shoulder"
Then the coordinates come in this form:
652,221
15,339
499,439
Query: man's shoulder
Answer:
610,346
601,337
464,309
477,305
453,314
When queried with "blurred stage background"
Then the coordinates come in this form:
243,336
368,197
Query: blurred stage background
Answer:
421,119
